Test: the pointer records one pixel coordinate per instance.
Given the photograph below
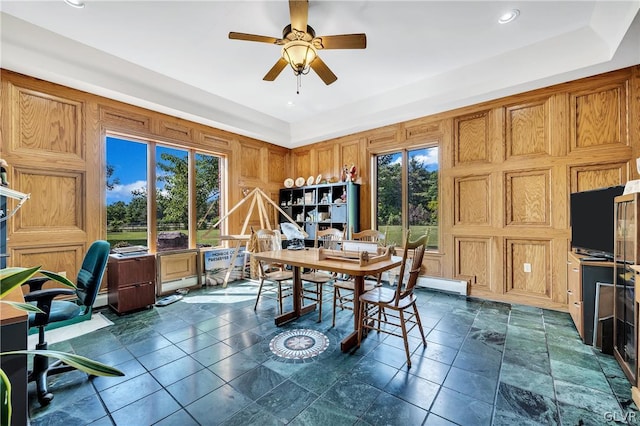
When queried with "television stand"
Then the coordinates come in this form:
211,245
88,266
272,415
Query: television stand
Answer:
584,275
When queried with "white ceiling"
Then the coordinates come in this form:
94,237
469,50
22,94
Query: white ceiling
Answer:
422,57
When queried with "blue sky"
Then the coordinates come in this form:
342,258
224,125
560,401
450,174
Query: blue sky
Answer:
129,159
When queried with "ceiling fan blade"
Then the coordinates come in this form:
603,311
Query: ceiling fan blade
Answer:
299,11
253,37
343,41
323,71
276,70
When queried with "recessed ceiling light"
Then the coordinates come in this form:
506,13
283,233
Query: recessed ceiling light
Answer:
290,104
509,16
75,3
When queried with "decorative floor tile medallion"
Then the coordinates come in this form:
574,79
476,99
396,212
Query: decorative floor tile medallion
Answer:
299,344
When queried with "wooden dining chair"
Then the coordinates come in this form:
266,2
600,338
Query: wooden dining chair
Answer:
313,281
343,290
386,310
269,240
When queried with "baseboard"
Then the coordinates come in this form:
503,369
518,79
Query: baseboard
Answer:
171,286
101,300
444,284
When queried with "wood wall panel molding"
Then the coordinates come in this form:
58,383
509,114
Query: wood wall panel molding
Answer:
59,258
350,154
175,131
587,177
598,116
471,138
250,162
422,130
327,161
301,163
527,129
432,265
473,200
472,260
177,266
124,120
56,203
528,198
535,256
215,142
277,171
46,125
388,136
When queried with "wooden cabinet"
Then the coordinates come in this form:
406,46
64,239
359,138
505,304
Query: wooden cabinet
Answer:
584,277
625,344
132,282
333,205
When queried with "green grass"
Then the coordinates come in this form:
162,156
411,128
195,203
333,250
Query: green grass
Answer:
140,237
394,234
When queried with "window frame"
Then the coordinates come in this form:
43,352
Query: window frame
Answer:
404,151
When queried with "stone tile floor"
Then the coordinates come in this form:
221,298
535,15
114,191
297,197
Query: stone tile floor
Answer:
205,360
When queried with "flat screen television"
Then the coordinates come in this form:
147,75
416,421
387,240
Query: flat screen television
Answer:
592,220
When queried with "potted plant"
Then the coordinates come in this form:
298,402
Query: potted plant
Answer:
11,278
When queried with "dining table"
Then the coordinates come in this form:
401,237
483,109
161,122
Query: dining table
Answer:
309,258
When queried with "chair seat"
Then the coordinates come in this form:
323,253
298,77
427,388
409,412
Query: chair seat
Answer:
279,275
317,277
385,296
350,285
61,310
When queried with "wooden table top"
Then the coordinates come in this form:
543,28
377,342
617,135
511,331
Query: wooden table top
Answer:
308,259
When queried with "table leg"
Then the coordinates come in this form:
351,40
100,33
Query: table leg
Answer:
351,341
298,309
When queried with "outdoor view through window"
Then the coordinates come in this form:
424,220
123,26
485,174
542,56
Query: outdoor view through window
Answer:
128,195
419,212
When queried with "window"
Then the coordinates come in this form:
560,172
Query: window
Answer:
407,197
128,195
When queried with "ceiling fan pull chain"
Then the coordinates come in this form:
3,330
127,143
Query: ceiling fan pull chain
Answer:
298,86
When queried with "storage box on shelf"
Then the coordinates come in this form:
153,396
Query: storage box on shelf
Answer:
332,205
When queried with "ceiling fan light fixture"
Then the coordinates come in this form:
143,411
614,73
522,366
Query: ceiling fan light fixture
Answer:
299,54
78,4
509,16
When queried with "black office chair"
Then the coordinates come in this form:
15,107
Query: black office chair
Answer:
63,311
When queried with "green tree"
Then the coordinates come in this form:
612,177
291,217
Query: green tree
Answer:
389,191
137,207
111,183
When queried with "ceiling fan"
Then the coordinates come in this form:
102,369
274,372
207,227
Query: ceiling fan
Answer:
300,45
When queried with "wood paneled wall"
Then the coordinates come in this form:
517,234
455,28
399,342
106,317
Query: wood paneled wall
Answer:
53,138
507,170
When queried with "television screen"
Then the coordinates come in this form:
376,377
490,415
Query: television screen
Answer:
592,220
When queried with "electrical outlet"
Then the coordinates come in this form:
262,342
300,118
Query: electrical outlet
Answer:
527,267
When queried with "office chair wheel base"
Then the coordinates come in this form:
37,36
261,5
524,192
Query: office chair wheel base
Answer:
45,399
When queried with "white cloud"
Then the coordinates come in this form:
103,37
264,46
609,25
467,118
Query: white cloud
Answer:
123,192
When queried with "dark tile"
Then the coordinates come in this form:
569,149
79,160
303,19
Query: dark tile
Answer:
434,420
389,355
179,418
130,369
127,392
413,389
233,366
161,357
323,412
352,396
461,409
526,404
572,415
372,372
215,407
72,412
390,410
451,340
195,386
253,415
535,361
487,366
178,335
581,376
243,340
147,410
471,384
197,342
148,345
439,352
176,370
257,382
213,354
524,378
586,398
287,400
429,369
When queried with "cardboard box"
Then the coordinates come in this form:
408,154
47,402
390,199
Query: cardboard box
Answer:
216,264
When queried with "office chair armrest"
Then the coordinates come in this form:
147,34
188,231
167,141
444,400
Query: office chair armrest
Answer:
36,283
47,295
